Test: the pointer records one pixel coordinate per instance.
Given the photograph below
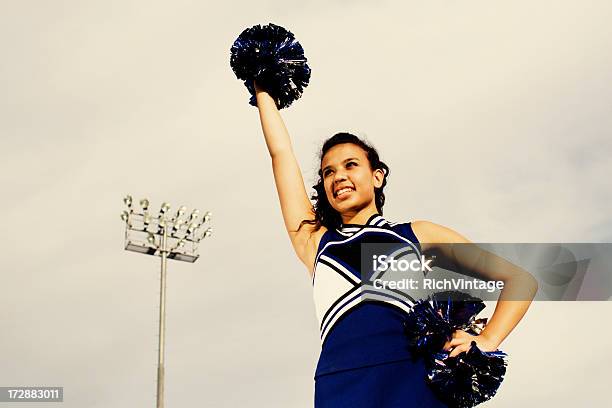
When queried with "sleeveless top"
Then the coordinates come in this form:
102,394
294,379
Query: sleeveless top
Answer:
359,325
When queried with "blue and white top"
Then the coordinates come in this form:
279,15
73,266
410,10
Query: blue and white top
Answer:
359,325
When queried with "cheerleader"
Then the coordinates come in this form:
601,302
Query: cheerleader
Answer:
364,359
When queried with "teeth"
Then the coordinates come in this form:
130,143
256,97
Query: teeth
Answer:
344,190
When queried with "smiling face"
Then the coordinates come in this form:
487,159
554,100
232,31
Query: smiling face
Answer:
349,180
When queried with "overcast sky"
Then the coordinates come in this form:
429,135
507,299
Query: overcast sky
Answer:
494,118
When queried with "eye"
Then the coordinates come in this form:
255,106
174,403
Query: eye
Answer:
349,163
326,173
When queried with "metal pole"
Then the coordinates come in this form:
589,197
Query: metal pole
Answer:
174,243
162,321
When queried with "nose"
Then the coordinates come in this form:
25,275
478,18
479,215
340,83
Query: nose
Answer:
339,177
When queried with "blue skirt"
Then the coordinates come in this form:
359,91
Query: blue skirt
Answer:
388,385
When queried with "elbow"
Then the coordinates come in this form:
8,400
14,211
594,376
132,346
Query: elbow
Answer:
534,286
530,283
526,284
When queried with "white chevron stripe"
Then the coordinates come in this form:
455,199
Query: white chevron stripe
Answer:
328,287
353,300
347,304
340,267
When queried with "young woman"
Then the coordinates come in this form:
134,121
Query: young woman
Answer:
364,360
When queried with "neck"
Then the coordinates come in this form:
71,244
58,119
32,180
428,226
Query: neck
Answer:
359,216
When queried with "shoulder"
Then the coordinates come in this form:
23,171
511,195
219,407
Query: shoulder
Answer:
430,232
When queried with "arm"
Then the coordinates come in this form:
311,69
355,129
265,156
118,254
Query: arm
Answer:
294,201
518,284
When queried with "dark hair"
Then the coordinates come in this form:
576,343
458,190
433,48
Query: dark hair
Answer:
324,213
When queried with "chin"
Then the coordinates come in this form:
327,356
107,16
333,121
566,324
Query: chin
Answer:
347,205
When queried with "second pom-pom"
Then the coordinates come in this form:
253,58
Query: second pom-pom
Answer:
469,378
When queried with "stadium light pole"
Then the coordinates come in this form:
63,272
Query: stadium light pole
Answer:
169,237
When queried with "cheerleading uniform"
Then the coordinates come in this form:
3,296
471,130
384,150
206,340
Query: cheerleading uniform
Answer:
364,360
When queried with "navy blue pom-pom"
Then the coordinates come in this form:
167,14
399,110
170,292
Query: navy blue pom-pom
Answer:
426,330
467,379
432,321
273,57
470,377
457,308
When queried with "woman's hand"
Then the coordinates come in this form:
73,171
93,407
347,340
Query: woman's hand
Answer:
462,341
263,97
257,88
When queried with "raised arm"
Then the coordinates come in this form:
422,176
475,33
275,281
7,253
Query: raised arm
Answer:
294,201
